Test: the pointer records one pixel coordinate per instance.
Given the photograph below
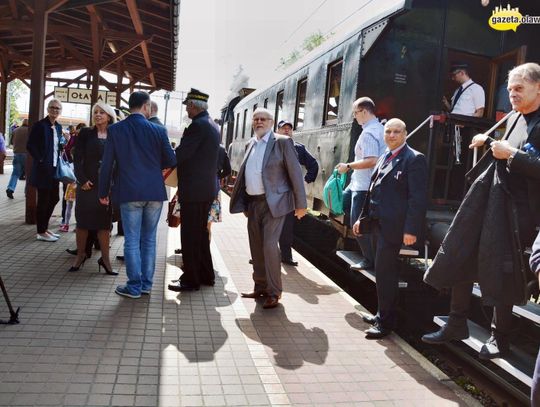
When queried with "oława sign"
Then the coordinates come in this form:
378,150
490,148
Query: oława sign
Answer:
83,96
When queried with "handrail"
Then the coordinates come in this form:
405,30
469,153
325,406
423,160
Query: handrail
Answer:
420,126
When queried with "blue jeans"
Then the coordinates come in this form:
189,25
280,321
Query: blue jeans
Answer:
352,206
19,161
140,220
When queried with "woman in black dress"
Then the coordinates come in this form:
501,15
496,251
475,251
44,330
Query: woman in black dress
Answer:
89,213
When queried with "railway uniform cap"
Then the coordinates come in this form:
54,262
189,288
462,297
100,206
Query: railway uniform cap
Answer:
195,94
283,123
458,66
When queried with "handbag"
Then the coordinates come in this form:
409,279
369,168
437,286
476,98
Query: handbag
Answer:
64,170
333,193
173,214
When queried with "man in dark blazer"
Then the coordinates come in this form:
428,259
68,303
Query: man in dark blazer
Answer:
153,113
268,187
197,158
395,210
44,144
518,153
135,154
309,162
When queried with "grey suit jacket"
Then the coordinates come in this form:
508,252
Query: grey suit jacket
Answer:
281,175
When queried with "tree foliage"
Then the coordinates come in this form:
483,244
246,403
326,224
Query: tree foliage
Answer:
311,42
15,89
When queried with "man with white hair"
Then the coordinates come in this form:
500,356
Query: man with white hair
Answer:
197,158
496,244
268,187
153,113
394,212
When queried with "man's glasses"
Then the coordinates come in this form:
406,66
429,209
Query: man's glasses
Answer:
55,108
358,111
260,119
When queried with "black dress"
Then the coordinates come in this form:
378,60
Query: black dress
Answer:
87,153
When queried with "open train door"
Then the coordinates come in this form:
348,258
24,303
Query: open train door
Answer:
498,102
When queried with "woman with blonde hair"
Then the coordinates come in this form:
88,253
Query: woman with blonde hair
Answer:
89,213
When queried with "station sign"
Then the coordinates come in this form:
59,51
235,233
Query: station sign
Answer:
82,96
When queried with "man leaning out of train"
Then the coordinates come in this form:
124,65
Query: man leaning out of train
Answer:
480,244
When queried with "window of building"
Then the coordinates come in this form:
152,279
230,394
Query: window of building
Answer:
300,104
245,122
333,87
237,125
265,103
279,108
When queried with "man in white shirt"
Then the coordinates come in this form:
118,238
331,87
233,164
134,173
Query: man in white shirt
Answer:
469,99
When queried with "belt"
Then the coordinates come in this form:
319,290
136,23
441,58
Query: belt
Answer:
252,198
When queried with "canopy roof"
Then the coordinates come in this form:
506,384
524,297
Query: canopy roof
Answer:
134,38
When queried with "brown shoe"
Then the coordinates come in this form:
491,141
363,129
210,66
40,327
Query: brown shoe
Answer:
271,302
254,294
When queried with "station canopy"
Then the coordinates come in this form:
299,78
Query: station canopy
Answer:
136,39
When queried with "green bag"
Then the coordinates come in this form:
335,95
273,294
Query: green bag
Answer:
333,192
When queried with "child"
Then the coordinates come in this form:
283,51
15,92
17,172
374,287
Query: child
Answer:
70,200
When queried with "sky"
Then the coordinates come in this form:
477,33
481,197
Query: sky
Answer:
217,36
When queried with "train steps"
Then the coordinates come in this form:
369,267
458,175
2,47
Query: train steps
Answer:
353,257
518,363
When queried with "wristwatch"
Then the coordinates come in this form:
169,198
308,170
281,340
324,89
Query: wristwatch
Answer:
348,166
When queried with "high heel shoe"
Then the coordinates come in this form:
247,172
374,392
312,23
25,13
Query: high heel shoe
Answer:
101,263
77,268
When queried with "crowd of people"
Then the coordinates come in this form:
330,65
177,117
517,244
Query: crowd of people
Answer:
119,165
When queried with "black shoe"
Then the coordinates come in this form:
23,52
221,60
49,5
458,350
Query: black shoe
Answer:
370,319
290,262
121,258
101,264
177,251
446,334
72,251
362,265
77,267
179,287
9,193
250,261
377,332
494,348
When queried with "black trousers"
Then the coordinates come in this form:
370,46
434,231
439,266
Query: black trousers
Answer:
287,236
387,275
46,201
198,267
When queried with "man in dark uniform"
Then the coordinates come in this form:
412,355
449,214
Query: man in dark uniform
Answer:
519,153
312,167
197,158
395,209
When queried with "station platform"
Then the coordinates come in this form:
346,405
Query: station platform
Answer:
80,344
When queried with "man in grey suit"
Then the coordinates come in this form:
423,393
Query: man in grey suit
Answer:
268,187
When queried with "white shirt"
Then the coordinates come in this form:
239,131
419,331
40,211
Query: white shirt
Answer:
370,144
253,174
55,146
472,99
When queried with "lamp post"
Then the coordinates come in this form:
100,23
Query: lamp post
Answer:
167,96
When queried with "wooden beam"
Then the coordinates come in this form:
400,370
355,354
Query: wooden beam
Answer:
67,44
137,23
13,8
120,54
82,3
54,4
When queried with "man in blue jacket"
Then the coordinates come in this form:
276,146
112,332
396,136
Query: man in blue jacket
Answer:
135,154
197,158
309,162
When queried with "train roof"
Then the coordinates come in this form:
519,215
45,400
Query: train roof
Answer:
383,9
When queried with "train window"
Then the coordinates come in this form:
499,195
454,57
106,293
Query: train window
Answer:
265,103
300,104
254,108
237,125
279,109
245,122
333,86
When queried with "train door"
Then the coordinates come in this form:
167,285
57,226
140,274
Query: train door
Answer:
498,104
